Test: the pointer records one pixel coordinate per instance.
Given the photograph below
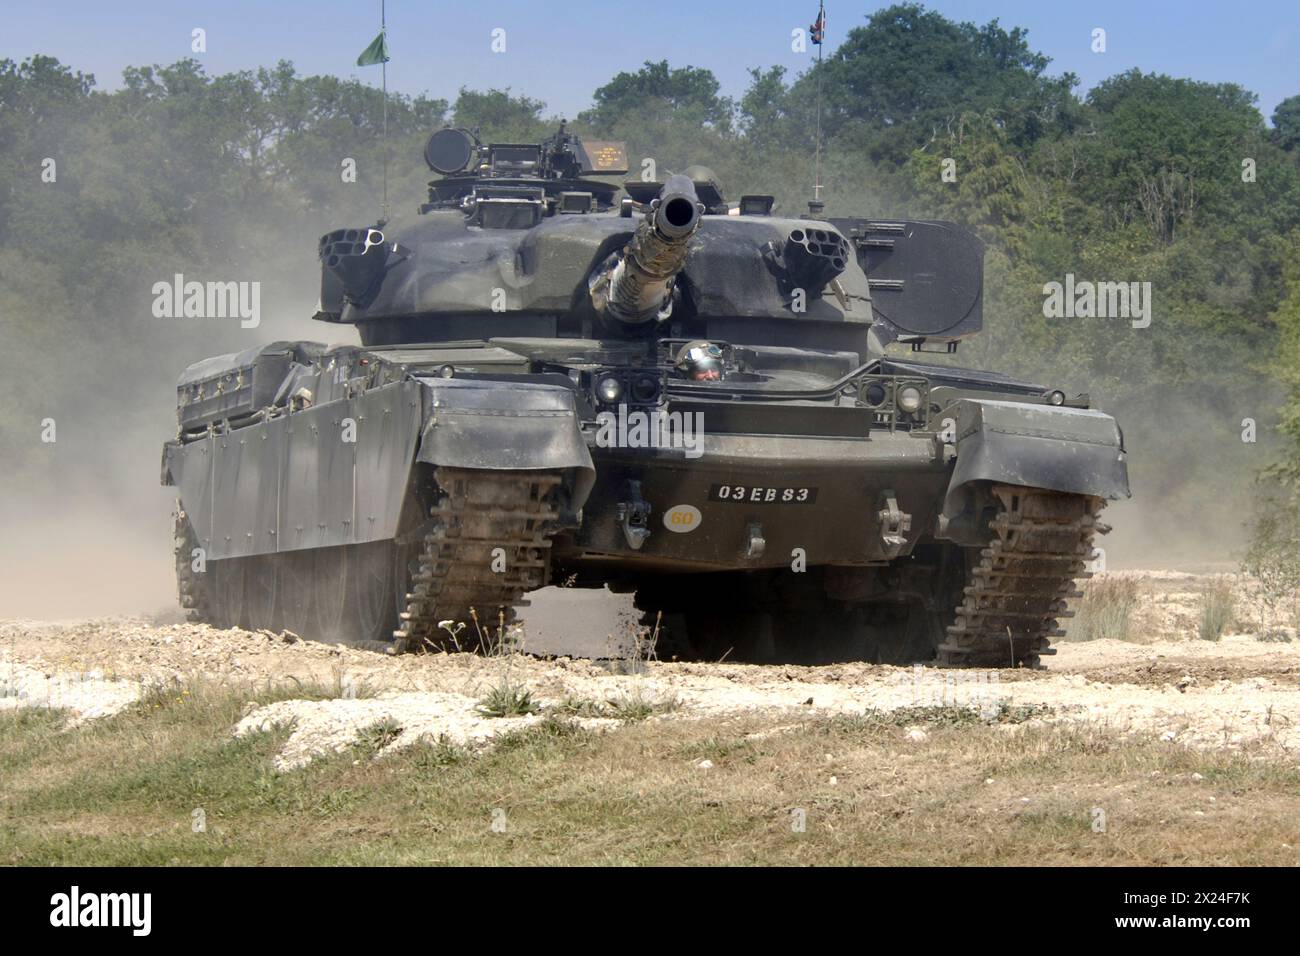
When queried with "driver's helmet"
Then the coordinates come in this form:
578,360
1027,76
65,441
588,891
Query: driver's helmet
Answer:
700,361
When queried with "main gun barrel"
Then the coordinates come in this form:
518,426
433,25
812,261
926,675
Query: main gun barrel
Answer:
637,286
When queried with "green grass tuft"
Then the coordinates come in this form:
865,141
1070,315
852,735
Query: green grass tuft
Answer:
374,738
636,706
507,700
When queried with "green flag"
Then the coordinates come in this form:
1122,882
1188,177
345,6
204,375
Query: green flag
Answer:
377,52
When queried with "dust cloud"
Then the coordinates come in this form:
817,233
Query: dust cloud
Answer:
1142,537
87,524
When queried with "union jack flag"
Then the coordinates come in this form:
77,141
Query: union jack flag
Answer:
817,32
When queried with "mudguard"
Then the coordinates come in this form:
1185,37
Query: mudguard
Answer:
504,426
293,481
1075,450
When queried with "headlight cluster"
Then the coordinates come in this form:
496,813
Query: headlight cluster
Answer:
638,387
905,397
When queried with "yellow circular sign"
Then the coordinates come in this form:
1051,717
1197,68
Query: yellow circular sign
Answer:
682,518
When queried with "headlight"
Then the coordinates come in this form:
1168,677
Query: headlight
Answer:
609,390
645,389
909,398
875,395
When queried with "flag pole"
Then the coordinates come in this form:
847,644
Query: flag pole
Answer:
817,161
383,30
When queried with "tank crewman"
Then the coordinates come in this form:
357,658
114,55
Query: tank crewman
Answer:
700,361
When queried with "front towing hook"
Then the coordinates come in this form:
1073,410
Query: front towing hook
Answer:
634,516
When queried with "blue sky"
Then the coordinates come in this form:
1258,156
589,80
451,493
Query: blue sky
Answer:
559,51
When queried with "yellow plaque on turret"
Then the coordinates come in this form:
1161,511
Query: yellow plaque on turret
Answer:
604,156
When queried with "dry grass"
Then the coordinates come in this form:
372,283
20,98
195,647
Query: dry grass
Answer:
1105,611
1218,605
1007,790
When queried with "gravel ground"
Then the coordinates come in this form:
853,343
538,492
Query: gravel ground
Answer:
1227,694
86,695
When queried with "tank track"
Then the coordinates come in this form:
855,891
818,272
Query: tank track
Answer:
1018,589
193,589
480,511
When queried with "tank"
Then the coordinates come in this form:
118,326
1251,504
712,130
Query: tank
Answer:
731,413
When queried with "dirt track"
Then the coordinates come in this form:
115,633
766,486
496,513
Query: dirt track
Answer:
1238,692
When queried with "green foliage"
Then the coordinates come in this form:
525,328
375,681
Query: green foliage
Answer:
374,738
1274,554
1286,366
910,74
571,706
1286,123
1274,559
1172,151
635,705
499,116
655,92
507,700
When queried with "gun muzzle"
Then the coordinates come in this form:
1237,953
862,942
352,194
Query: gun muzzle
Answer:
637,286
677,210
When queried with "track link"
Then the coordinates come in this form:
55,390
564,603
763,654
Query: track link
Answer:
194,589
1019,588
480,512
